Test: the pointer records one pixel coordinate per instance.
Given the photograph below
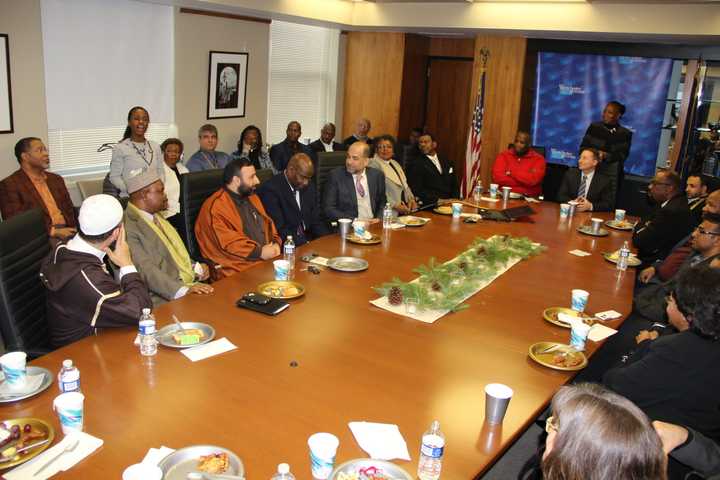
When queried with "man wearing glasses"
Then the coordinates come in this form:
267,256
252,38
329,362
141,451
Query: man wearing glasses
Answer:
668,223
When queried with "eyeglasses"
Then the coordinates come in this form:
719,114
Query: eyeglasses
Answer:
702,231
384,147
550,424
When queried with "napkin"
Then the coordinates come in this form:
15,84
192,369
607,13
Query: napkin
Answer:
88,444
154,455
32,383
476,216
322,261
600,332
397,226
608,315
567,318
382,441
211,349
533,200
579,253
489,199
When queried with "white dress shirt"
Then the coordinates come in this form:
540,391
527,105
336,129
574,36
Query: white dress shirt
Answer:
77,244
172,189
588,181
328,146
436,161
364,206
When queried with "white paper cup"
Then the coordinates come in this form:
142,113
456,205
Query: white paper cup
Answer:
573,206
619,215
579,331
497,399
323,447
456,209
494,190
142,471
359,227
69,408
564,210
579,300
596,224
282,270
344,224
14,367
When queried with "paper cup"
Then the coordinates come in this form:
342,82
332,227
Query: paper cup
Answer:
14,368
596,224
142,471
456,209
579,300
619,215
578,335
359,227
69,408
564,210
506,193
344,224
323,447
497,399
493,190
282,270
573,206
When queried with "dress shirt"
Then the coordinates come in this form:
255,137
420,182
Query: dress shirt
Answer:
436,162
77,244
328,146
588,181
40,184
364,206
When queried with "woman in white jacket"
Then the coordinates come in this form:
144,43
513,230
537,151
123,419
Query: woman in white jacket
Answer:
172,150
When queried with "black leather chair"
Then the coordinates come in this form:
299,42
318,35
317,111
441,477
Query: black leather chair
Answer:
264,174
195,188
24,244
326,162
554,173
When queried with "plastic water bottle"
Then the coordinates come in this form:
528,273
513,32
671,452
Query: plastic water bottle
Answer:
623,256
69,377
387,215
283,473
431,453
148,342
477,191
289,255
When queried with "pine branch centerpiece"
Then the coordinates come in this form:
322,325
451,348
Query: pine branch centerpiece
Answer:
445,286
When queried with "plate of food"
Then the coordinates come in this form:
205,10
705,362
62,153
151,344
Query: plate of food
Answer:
373,240
612,257
32,371
369,469
587,230
443,210
201,459
191,334
282,289
412,221
621,225
348,264
551,315
558,356
22,439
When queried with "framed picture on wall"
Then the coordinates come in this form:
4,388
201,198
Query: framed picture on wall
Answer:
6,117
227,82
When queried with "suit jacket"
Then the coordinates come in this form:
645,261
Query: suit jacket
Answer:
280,154
600,193
615,142
340,200
696,206
18,194
393,190
658,233
151,258
352,139
220,235
278,198
430,185
318,147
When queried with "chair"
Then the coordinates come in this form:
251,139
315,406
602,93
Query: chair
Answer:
195,188
554,173
264,174
24,244
89,188
327,161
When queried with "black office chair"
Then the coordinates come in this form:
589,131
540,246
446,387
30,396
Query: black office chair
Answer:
24,244
195,188
264,174
327,161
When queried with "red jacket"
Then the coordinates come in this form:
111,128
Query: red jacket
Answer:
524,174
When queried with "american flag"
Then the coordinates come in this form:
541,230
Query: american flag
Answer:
474,143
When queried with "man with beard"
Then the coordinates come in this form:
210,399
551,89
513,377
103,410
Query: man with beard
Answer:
520,168
280,153
696,189
232,229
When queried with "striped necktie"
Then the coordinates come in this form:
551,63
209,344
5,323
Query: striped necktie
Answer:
583,185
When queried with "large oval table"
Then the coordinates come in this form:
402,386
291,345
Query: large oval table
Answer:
355,362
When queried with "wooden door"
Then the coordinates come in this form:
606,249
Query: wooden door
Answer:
447,111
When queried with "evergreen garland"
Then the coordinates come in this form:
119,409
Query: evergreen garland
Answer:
445,286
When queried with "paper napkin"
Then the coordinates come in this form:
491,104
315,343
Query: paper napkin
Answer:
211,349
600,332
154,455
579,253
608,315
32,383
489,199
88,444
397,226
382,441
322,261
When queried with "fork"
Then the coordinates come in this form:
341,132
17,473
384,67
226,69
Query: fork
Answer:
68,448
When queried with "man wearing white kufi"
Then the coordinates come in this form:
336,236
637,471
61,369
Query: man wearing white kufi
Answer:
82,296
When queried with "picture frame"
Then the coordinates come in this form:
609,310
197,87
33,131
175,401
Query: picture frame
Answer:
227,84
6,113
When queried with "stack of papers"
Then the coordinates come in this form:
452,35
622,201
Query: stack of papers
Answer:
382,441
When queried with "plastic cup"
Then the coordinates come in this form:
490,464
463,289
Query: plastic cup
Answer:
497,399
456,209
344,224
69,408
142,471
506,193
323,447
619,215
359,227
573,206
494,190
14,367
579,300
564,210
596,224
578,335
411,305
282,270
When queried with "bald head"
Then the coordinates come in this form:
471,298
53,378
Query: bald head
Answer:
363,127
299,171
357,157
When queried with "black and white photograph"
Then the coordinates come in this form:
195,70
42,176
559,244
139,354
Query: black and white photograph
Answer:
6,120
227,81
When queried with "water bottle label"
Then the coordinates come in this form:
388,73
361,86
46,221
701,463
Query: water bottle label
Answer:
431,451
71,386
147,327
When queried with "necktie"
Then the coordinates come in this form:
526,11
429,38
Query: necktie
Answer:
583,185
359,186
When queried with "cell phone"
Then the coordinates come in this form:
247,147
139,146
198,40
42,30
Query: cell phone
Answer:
256,298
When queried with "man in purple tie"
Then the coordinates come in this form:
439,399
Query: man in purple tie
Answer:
355,191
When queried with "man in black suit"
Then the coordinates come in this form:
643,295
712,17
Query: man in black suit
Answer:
696,189
355,191
290,198
432,179
280,153
326,142
670,222
590,188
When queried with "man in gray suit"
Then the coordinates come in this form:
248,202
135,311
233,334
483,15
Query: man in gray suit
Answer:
156,248
355,191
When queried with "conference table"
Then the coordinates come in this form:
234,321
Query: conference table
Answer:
333,358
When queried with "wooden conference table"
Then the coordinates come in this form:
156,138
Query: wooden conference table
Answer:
355,362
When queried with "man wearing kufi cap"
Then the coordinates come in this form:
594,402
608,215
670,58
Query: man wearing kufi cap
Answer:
82,296
158,251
